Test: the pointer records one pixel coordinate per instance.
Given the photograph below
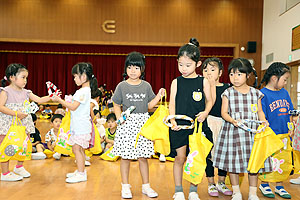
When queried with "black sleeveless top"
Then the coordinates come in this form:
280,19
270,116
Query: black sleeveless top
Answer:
190,98
216,109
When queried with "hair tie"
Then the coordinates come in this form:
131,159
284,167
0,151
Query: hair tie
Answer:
192,44
93,76
5,78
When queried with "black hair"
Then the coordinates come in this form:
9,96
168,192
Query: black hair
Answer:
47,105
190,50
59,106
135,59
277,69
103,86
111,116
55,116
96,112
244,66
33,116
213,62
86,68
96,93
12,70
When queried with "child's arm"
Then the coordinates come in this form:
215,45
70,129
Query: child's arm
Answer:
92,112
109,141
208,101
117,109
260,112
172,104
224,112
7,111
156,99
72,106
213,89
38,99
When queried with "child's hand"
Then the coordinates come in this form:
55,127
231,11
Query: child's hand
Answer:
174,125
235,123
211,80
291,133
55,98
266,123
162,92
21,115
202,116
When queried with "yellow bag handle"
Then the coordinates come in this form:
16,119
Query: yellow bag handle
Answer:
16,121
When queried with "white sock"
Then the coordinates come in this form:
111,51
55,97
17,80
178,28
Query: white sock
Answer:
252,190
236,189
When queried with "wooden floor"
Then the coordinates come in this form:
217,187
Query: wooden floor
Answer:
104,181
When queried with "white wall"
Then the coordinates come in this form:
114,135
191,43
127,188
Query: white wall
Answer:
277,32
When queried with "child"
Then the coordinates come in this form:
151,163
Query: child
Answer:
110,131
51,136
12,100
276,113
191,96
60,110
212,69
99,124
47,111
134,92
81,126
37,146
234,145
94,105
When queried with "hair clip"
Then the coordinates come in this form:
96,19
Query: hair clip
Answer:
5,78
192,44
93,76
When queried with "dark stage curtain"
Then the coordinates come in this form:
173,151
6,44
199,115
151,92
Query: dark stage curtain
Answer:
53,62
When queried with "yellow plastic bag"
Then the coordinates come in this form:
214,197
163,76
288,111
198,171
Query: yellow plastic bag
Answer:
265,144
97,145
296,156
105,112
109,156
200,147
16,144
281,162
155,129
63,136
48,153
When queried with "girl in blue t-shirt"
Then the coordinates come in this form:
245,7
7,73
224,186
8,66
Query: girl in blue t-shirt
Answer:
81,125
276,104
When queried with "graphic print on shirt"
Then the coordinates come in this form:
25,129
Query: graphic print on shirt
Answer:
135,96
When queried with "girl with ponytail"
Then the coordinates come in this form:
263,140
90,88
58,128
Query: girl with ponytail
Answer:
81,126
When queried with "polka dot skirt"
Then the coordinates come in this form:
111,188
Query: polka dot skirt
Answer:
125,139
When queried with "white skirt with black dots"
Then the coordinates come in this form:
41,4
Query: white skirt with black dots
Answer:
125,139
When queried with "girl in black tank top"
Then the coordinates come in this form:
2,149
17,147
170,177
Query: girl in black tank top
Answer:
190,95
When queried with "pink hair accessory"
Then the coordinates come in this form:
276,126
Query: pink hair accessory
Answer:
5,78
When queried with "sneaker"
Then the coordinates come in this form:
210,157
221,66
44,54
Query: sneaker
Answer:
76,178
253,197
221,187
212,190
266,191
22,172
193,196
73,173
162,158
295,181
237,196
57,156
126,192
87,163
282,192
38,156
11,177
147,190
178,196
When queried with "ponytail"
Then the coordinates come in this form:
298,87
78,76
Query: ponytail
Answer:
256,77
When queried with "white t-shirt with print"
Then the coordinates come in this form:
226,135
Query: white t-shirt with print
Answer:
50,136
80,118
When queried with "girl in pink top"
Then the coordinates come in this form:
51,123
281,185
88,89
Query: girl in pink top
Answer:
12,100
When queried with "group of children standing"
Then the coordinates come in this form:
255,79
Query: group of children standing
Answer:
218,106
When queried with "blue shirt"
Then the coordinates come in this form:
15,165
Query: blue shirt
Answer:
276,105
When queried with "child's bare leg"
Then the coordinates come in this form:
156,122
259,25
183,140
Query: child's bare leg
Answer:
40,148
178,165
5,167
79,156
124,168
144,170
